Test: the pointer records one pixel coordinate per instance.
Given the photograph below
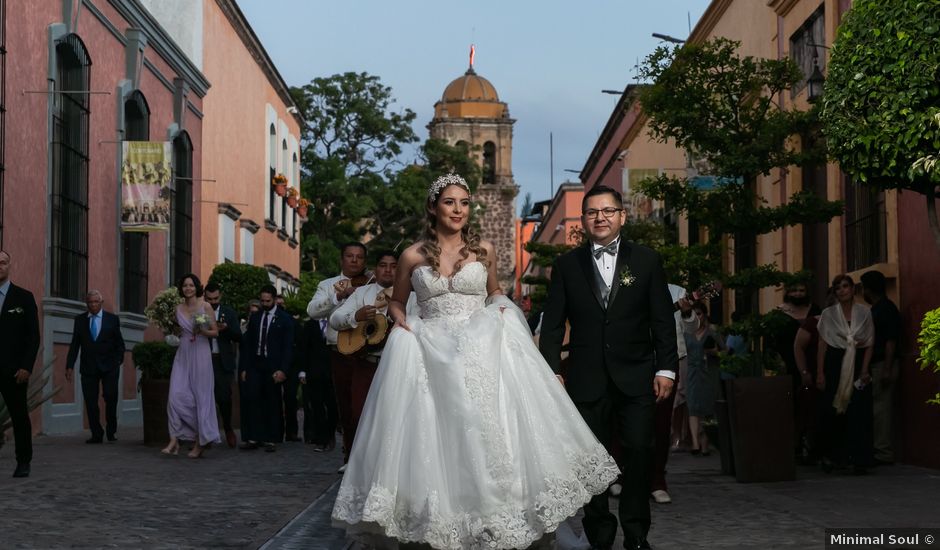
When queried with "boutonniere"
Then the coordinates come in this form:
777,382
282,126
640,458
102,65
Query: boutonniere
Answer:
15,310
626,277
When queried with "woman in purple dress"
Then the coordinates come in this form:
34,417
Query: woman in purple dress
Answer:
191,406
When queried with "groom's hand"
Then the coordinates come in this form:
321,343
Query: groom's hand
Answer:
662,387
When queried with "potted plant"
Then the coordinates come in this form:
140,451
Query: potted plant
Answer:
280,184
929,340
155,361
302,206
292,197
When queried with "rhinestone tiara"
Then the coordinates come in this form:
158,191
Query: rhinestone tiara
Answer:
440,183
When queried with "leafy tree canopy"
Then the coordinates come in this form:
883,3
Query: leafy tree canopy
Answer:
882,92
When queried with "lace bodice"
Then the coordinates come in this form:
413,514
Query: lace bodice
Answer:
457,296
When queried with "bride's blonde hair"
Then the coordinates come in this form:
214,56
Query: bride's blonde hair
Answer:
430,248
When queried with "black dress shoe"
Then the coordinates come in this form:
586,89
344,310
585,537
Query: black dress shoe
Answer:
112,438
22,469
93,440
248,445
269,447
293,439
636,544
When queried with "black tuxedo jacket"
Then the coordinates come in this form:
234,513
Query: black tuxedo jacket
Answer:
627,340
280,342
101,355
229,337
19,331
314,352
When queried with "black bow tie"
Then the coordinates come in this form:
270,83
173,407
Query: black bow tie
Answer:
610,248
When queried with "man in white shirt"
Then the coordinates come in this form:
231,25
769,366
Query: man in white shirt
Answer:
332,293
364,305
686,322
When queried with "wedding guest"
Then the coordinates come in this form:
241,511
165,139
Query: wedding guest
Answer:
96,337
702,346
263,365
686,322
846,339
19,338
320,416
191,404
254,306
332,293
884,372
798,307
223,356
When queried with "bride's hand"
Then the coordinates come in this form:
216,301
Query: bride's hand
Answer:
401,323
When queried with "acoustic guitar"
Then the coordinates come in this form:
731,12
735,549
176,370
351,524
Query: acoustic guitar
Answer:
707,291
367,335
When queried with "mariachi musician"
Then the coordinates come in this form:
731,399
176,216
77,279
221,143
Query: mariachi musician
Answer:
332,293
359,313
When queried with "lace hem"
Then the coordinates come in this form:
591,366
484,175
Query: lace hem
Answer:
515,525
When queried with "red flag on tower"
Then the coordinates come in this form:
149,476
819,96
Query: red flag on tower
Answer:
473,52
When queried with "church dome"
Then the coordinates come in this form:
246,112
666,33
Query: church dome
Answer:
470,96
470,87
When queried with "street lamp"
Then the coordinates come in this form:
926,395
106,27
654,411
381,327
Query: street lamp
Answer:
667,38
814,84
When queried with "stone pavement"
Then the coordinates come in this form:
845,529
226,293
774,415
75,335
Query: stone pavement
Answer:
126,495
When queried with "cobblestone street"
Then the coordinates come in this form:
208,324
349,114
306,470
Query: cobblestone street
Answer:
126,495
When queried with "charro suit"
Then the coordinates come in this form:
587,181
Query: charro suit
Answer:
620,337
100,363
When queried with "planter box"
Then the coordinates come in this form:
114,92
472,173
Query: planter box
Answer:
153,396
724,437
760,414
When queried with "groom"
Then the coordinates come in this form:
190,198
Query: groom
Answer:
622,356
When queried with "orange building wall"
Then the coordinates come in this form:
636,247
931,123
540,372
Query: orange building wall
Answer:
235,145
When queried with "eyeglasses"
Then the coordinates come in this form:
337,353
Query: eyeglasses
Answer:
592,213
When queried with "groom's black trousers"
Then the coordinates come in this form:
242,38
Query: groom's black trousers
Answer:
631,419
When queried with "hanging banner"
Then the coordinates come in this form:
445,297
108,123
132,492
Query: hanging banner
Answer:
145,185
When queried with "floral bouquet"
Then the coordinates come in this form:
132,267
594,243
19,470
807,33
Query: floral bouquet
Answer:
162,312
200,323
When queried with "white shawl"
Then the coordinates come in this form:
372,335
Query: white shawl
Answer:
837,333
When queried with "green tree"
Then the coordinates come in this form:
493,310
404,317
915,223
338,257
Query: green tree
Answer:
721,108
239,283
399,214
881,94
351,141
526,207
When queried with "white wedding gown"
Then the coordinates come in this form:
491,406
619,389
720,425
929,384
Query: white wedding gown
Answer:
467,439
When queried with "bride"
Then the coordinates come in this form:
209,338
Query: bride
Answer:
467,440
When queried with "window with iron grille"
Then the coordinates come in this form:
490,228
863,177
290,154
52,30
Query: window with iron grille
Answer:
804,47
69,204
3,110
272,163
136,245
865,226
181,226
284,200
816,235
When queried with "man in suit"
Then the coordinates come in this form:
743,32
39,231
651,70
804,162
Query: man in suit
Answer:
264,362
289,388
320,416
223,356
19,340
622,355
97,336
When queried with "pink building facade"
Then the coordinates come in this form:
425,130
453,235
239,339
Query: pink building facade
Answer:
79,77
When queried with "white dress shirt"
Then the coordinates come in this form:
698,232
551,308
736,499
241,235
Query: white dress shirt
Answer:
684,325
261,328
324,303
4,290
606,265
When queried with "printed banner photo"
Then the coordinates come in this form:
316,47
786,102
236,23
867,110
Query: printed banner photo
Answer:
145,185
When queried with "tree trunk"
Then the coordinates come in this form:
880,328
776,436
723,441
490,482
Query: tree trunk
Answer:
932,218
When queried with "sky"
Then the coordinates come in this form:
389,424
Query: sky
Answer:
549,60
